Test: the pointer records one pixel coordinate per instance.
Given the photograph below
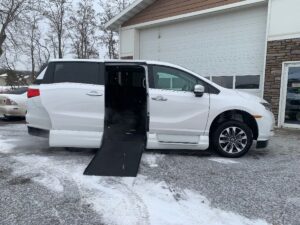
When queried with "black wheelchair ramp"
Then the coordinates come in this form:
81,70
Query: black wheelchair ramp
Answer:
120,154
125,123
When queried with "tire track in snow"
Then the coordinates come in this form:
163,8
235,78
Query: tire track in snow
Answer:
137,202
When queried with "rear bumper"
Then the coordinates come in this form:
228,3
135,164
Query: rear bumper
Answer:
38,132
262,144
12,111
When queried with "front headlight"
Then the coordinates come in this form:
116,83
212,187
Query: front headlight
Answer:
267,106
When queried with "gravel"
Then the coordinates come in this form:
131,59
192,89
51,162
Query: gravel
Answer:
263,184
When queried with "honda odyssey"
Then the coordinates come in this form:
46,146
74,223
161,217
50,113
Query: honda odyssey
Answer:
73,101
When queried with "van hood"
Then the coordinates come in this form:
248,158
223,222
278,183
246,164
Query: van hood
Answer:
250,97
247,96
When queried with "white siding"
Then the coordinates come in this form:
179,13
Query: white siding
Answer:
284,19
127,43
220,45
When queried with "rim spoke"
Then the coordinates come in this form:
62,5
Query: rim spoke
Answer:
233,131
230,148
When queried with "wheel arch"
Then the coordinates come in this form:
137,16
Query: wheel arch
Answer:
238,115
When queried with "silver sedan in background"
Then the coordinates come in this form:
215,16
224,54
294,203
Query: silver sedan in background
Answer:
13,103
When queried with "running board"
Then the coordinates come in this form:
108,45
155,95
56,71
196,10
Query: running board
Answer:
117,158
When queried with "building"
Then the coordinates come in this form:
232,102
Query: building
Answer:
250,45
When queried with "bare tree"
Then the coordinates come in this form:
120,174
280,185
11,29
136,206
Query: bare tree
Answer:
11,12
83,30
34,45
109,38
51,42
56,12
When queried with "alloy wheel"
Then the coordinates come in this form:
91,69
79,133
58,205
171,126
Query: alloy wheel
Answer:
233,140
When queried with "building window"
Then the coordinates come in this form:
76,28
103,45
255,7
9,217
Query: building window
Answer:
224,81
247,82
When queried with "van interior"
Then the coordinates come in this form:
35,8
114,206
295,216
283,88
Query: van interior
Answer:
126,121
125,100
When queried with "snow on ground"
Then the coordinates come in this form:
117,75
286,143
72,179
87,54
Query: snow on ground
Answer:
124,201
223,160
5,145
151,159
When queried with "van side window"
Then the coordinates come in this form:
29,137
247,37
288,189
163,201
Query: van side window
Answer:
40,77
77,72
168,78
172,79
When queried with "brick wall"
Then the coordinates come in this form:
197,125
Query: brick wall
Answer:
278,52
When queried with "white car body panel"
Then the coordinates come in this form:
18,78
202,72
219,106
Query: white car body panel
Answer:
76,119
75,139
39,117
178,119
243,102
80,108
14,110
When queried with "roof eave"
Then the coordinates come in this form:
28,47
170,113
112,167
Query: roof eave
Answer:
127,13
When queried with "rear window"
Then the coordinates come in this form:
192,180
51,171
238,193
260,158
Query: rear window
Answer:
76,72
17,91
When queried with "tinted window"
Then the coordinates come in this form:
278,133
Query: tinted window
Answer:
224,81
247,82
163,77
76,72
173,79
18,91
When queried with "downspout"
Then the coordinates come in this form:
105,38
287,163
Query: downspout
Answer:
266,48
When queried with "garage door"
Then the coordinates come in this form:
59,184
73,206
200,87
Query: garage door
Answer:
227,48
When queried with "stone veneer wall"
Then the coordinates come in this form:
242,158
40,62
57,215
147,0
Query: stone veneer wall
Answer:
278,51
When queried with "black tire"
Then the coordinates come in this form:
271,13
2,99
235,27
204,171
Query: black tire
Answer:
7,117
232,146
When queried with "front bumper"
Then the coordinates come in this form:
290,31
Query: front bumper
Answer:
266,126
262,144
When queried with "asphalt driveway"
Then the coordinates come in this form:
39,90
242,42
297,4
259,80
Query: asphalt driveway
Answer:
40,185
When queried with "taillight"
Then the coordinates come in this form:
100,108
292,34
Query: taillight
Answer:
33,92
10,102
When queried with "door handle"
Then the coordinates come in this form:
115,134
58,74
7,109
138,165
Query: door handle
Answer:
94,93
160,98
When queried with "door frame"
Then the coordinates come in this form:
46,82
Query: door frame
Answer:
146,68
283,92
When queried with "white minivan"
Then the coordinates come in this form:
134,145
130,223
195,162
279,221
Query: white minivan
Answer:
72,101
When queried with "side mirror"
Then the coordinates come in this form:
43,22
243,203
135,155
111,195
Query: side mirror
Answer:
199,90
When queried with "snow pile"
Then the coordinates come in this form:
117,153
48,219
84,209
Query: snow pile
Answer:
126,201
151,159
